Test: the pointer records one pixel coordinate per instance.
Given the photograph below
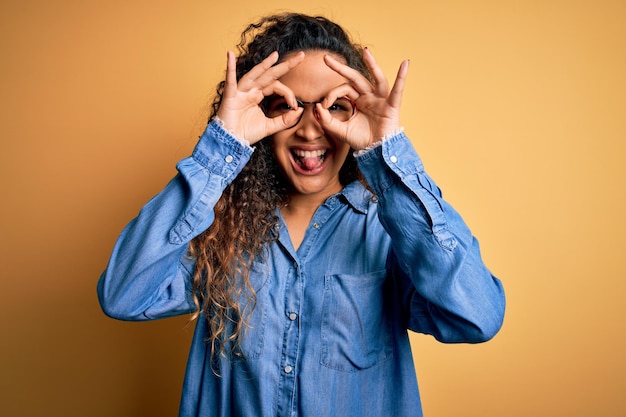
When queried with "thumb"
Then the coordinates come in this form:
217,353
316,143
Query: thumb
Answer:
284,121
330,125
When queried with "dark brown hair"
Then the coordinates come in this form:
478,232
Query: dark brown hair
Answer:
245,215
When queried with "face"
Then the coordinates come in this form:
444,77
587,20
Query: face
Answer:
309,158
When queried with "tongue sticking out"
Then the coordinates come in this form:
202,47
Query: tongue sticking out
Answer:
311,162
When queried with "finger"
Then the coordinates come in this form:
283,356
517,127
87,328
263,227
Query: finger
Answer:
323,115
280,89
260,68
231,72
290,62
282,68
263,74
344,90
382,85
269,84
284,121
330,125
395,97
357,79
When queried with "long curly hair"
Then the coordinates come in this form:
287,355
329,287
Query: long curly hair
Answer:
246,214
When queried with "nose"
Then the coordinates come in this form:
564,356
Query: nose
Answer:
308,127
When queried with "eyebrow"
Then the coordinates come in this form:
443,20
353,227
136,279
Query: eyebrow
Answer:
309,102
279,97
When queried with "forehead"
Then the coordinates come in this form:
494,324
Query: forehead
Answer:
312,79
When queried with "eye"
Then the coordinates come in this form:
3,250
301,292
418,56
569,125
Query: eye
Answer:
277,106
341,105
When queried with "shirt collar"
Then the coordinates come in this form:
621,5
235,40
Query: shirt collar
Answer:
357,196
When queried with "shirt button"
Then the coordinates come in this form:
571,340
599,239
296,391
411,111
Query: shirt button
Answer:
293,316
229,159
316,225
288,369
393,159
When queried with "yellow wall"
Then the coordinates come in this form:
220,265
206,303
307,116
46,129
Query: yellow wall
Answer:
517,108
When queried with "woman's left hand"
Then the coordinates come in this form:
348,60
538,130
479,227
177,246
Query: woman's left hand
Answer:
378,107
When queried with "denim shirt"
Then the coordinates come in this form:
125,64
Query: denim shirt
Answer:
328,335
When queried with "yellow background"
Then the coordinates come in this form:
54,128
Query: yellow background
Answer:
517,108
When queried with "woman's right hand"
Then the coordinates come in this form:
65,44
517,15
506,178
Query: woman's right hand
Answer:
240,109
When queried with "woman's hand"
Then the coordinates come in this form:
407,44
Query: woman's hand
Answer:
240,109
378,107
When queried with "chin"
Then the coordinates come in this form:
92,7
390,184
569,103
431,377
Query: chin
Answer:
312,186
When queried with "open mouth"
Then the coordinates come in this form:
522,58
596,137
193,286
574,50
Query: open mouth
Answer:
309,160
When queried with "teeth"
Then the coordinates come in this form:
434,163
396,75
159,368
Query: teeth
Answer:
309,154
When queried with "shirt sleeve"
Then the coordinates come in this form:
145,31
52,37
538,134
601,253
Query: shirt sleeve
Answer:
147,276
446,288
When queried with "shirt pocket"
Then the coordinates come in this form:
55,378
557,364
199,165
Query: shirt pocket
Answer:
355,331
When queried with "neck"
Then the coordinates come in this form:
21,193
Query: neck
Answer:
299,212
301,203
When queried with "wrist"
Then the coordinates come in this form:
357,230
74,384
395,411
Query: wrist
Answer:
232,133
379,142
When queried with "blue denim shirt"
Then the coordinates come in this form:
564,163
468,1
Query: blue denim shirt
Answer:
328,336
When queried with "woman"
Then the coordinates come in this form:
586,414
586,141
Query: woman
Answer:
306,237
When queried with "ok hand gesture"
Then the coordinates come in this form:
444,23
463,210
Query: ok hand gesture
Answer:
378,107
240,110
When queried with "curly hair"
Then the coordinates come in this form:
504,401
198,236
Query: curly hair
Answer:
245,215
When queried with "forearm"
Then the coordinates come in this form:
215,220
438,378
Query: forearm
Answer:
148,273
453,296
